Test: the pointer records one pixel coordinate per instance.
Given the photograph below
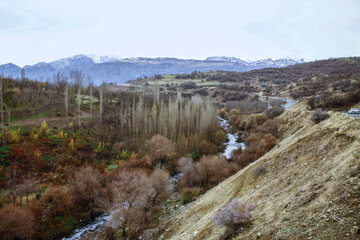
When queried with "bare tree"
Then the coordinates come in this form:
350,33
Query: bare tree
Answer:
66,102
101,100
91,85
60,81
23,74
78,78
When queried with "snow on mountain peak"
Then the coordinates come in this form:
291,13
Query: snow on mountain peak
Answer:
103,59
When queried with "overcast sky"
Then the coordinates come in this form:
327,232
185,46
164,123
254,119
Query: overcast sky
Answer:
45,30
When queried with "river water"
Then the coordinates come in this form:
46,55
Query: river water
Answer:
101,221
232,144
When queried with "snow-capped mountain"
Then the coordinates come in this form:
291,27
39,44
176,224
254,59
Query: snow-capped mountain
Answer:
103,59
282,62
114,69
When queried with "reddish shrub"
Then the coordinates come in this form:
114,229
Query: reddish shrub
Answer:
269,126
86,186
146,161
208,147
55,202
16,222
208,171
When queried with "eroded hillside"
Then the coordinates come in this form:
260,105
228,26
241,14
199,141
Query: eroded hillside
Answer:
310,189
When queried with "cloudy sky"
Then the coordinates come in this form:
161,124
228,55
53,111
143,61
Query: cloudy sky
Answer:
45,30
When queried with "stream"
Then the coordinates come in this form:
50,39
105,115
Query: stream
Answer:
100,222
231,145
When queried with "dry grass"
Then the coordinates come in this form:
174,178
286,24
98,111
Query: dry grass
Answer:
310,188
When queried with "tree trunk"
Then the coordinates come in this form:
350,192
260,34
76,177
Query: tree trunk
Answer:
91,100
79,103
66,103
101,104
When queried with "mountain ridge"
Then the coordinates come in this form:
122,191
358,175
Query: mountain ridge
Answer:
120,70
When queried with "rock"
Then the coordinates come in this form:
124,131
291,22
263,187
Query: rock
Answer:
354,230
258,235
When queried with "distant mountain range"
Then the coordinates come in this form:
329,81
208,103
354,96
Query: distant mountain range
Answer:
116,70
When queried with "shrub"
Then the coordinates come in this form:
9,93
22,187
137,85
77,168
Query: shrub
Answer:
254,120
202,92
196,155
208,147
161,148
146,161
188,85
207,172
319,115
86,186
56,201
234,112
274,112
189,194
233,216
183,162
269,126
159,182
220,137
136,199
16,222
259,171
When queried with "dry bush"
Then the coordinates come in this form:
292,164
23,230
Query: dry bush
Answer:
235,120
259,171
274,112
161,148
183,162
319,115
55,202
209,171
208,147
234,112
247,106
86,186
131,194
189,194
270,142
233,216
220,137
254,120
190,176
135,196
222,113
246,157
161,187
256,146
146,161
16,222
269,126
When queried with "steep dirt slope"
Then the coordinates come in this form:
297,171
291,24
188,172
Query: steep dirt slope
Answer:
310,190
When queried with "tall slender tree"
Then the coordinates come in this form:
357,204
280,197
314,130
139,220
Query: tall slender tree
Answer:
78,78
101,100
66,102
91,85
